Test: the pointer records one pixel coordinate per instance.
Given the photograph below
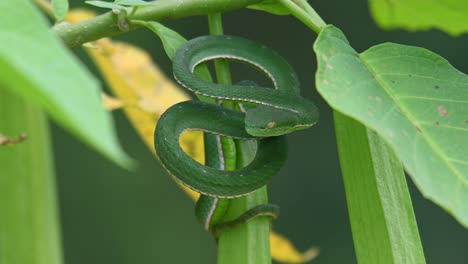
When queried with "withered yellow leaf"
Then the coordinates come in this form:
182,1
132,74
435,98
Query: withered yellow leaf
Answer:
111,103
145,93
284,251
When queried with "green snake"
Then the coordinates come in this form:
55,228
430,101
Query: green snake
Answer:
270,114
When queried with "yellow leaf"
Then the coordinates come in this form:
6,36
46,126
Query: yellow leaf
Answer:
145,93
283,250
111,103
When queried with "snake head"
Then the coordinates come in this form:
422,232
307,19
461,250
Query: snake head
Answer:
265,121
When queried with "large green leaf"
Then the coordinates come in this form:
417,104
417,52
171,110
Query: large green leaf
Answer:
35,65
447,15
414,99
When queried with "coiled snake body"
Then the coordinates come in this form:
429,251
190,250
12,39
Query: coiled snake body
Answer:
277,112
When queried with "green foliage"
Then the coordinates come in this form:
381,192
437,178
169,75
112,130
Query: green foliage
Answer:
447,15
29,228
60,9
381,215
35,65
270,6
171,41
414,99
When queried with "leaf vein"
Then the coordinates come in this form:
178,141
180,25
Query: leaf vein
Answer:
432,99
425,123
412,119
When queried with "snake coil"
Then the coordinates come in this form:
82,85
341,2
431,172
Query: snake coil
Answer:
277,112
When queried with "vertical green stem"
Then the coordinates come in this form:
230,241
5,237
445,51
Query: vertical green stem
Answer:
381,214
248,243
29,229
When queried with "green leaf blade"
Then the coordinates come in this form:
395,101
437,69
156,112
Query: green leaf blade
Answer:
414,99
270,6
172,41
447,15
60,8
35,65
381,214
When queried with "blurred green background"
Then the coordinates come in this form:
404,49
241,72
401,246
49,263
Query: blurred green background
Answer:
110,215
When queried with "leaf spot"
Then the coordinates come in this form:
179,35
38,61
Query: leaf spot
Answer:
442,110
418,129
329,67
436,86
324,57
436,123
378,99
5,141
405,133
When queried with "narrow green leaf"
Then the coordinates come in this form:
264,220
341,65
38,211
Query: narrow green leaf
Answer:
447,15
35,65
414,99
103,4
133,3
379,204
271,6
29,228
172,41
60,8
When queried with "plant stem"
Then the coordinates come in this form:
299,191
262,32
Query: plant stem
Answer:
106,25
379,204
305,13
247,243
29,229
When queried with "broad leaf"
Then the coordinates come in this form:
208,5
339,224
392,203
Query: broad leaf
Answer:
414,99
36,65
447,15
60,8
